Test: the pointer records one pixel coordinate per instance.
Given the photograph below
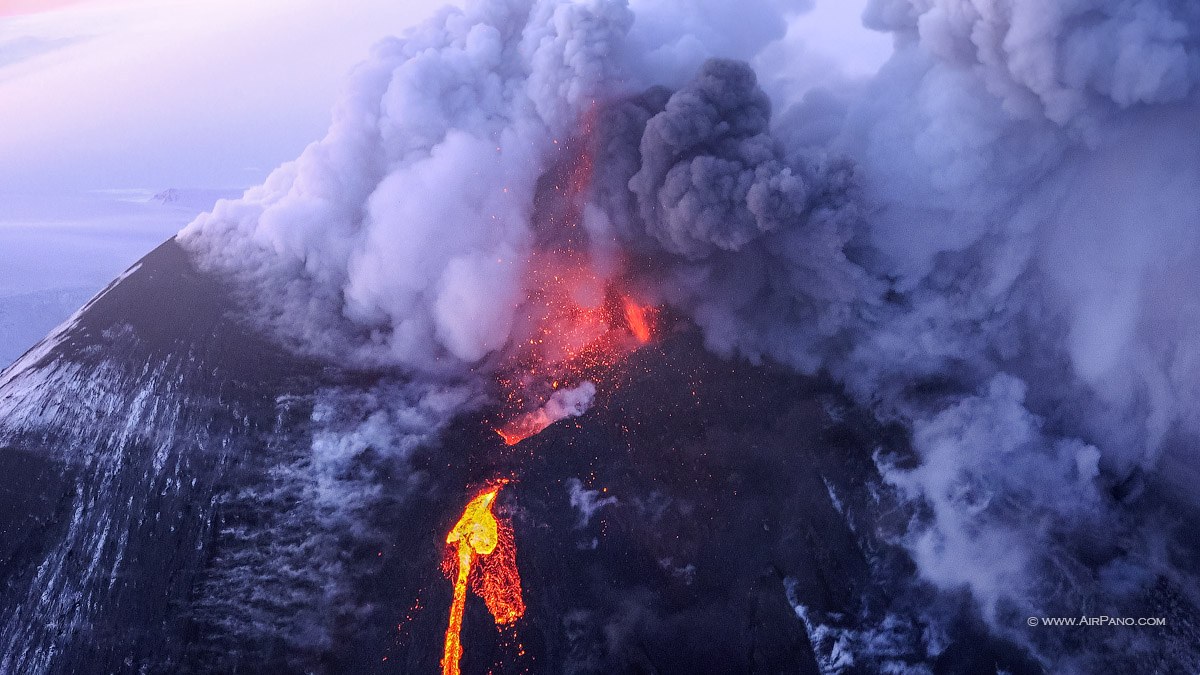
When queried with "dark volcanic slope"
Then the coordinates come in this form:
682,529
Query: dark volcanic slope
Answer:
114,433
740,495
176,495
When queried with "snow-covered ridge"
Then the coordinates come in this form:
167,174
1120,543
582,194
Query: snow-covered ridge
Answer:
126,418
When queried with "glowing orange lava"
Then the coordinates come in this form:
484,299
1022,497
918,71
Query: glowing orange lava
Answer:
531,423
478,535
579,319
639,320
512,433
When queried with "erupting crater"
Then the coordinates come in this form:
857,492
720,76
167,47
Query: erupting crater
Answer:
580,317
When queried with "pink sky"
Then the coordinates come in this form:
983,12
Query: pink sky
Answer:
215,93
14,7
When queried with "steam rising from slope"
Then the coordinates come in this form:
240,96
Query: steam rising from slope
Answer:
997,246
1035,340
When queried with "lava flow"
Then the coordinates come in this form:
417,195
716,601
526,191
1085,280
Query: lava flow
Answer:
639,320
579,319
479,536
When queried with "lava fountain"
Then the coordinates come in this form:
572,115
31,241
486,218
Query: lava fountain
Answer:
480,536
579,319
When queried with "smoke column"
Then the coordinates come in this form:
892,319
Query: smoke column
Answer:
992,242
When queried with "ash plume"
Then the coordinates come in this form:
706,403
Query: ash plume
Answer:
992,244
750,239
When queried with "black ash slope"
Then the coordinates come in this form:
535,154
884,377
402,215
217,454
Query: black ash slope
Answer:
165,512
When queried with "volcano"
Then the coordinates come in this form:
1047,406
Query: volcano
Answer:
572,347
161,513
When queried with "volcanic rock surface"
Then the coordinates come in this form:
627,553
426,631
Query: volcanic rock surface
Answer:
163,510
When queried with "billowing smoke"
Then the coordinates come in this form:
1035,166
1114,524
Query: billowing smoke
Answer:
357,247
400,238
993,243
749,238
1031,184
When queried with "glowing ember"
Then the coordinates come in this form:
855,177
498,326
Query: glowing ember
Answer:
578,321
553,375
478,535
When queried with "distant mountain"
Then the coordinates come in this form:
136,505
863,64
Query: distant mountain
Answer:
195,198
168,196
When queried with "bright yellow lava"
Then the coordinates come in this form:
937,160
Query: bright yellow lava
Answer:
477,528
477,533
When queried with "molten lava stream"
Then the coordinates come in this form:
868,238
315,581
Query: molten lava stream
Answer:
479,536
